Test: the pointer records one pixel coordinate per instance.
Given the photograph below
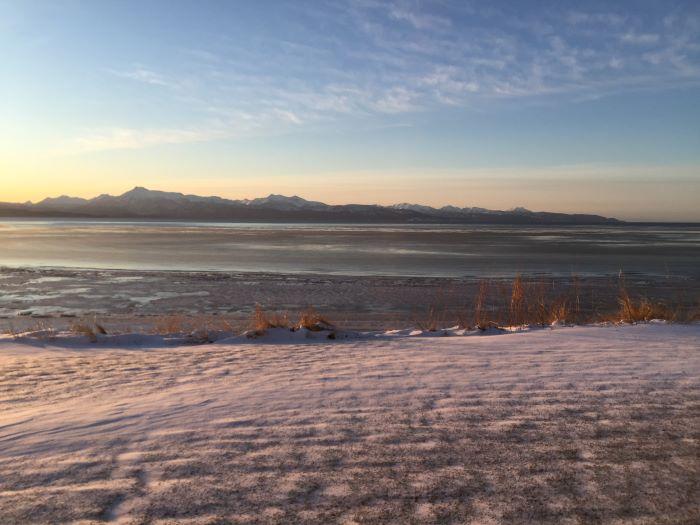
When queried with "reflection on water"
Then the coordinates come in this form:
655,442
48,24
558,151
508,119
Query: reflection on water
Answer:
420,250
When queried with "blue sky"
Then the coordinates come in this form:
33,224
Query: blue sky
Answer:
565,106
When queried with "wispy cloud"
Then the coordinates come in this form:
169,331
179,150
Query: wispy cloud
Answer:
373,59
640,38
130,138
288,116
418,20
594,18
145,76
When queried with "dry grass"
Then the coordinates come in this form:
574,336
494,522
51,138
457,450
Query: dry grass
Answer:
576,298
196,327
171,324
643,310
90,329
479,303
433,320
84,329
480,316
633,312
544,309
518,305
262,320
694,314
543,302
40,329
520,302
312,320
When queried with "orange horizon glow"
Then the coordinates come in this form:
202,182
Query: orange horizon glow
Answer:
600,190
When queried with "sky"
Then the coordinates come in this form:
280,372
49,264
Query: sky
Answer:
558,106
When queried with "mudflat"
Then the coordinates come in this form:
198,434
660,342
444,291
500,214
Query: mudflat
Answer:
127,300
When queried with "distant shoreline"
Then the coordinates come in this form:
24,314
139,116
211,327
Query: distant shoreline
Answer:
76,218
141,203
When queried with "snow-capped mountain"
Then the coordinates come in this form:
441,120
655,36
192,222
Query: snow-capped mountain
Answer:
64,202
281,202
143,203
450,211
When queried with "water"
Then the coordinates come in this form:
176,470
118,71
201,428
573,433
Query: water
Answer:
392,250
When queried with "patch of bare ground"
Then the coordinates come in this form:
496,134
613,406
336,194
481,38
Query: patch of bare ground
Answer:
576,425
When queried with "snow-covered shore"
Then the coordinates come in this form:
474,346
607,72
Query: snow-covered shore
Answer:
577,425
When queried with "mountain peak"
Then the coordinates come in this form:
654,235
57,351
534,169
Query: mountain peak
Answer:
139,191
420,208
282,201
60,202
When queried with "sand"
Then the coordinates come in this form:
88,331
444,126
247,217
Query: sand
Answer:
569,425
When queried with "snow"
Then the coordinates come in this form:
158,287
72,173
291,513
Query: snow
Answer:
569,424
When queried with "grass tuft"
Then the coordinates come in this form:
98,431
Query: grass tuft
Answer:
433,319
264,320
643,310
261,321
518,305
84,329
312,320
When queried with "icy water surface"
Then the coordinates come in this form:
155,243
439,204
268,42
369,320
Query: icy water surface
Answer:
363,250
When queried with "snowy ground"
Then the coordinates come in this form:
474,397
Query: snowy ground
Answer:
571,425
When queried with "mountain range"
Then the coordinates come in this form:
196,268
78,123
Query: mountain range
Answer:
142,203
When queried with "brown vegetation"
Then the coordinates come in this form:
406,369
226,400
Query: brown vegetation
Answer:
40,329
195,325
310,319
543,302
89,329
643,309
433,320
262,320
